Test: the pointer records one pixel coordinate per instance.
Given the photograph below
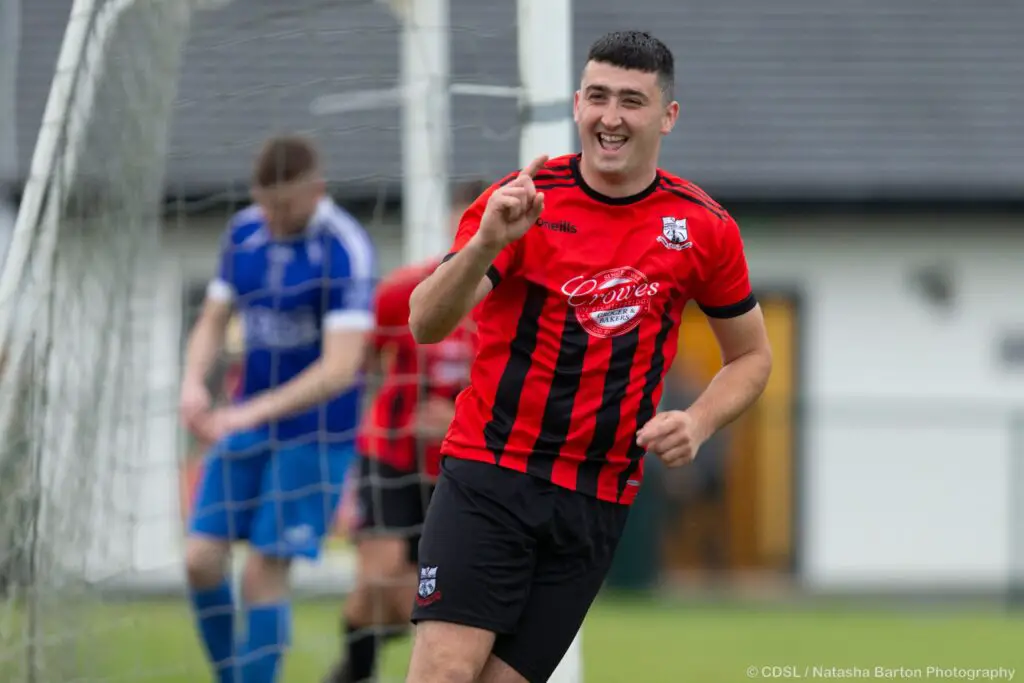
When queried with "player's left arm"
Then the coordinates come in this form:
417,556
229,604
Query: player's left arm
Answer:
738,325
348,324
737,322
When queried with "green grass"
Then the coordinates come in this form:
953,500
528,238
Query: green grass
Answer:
625,641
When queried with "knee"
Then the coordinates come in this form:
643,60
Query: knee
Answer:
264,578
205,562
448,653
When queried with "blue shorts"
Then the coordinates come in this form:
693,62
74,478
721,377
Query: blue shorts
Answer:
281,500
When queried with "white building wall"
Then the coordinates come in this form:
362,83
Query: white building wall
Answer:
906,474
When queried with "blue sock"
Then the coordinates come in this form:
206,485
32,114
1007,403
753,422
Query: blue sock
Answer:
269,634
215,615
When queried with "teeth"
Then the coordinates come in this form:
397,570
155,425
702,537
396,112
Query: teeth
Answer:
612,138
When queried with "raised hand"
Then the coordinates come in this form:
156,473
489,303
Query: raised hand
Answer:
512,209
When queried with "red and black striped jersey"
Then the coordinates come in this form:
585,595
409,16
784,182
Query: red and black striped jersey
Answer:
583,324
411,373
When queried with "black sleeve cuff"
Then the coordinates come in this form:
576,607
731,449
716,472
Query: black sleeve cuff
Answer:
731,311
492,273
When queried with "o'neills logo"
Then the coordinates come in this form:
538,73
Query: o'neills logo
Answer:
612,302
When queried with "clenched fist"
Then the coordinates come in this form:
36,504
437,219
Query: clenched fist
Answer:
512,209
674,436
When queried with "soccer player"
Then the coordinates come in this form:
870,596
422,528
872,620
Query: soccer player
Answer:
399,447
583,264
300,272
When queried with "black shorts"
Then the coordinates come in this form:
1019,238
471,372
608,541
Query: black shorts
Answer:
392,503
515,555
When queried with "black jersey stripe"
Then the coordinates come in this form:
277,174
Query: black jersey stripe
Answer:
692,189
652,379
513,377
683,194
558,409
616,382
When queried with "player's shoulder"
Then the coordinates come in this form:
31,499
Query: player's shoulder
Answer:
691,195
344,234
554,169
246,227
335,223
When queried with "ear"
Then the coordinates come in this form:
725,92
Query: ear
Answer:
576,106
668,120
320,185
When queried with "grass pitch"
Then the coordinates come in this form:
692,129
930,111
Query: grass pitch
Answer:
625,641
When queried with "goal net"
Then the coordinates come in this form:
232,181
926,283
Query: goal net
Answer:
115,237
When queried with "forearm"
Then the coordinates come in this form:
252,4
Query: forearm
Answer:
440,302
317,384
732,391
204,345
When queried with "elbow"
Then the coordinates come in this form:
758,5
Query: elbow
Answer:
421,331
420,325
763,362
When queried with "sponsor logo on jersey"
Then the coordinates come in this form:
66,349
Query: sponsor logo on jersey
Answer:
611,302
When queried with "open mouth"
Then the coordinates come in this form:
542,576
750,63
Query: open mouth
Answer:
611,143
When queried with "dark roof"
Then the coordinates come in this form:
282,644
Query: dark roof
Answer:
785,98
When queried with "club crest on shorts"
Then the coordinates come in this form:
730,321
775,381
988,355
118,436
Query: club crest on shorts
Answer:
674,233
427,591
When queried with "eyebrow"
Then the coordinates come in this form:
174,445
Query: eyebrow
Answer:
625,92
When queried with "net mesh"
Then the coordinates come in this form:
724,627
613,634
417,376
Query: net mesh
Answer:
93,321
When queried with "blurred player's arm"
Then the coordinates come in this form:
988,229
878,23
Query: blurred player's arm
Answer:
204,345
341,359
206,340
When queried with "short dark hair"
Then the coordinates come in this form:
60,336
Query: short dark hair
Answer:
640,51
284,159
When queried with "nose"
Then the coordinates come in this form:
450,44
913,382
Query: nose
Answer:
610,117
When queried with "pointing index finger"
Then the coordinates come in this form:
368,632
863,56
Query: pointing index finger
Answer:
534,166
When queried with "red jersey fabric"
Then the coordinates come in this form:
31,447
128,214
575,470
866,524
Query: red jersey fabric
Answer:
412,373
583,322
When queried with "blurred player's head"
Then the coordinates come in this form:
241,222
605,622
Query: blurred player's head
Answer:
624,106
463,195
287,183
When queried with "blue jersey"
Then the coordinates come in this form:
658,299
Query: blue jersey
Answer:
289,292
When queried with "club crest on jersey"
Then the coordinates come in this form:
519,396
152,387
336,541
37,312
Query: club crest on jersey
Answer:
427,591
612,302
674,234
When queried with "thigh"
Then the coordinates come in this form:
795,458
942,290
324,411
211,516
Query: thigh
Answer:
572,563
228,494
476,555
300,493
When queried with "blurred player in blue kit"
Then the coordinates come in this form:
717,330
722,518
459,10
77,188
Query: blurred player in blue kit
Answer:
300,271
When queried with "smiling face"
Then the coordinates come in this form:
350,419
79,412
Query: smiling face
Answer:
621,115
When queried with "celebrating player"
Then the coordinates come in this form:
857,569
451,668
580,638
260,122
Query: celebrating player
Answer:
399,445
583,265
300,271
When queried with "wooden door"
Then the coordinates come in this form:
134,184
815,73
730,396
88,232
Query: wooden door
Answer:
753,520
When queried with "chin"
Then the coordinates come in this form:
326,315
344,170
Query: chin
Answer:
611,166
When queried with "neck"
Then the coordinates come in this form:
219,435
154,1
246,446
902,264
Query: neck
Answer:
617,184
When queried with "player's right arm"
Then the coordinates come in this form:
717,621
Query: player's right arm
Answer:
206,340
484,247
